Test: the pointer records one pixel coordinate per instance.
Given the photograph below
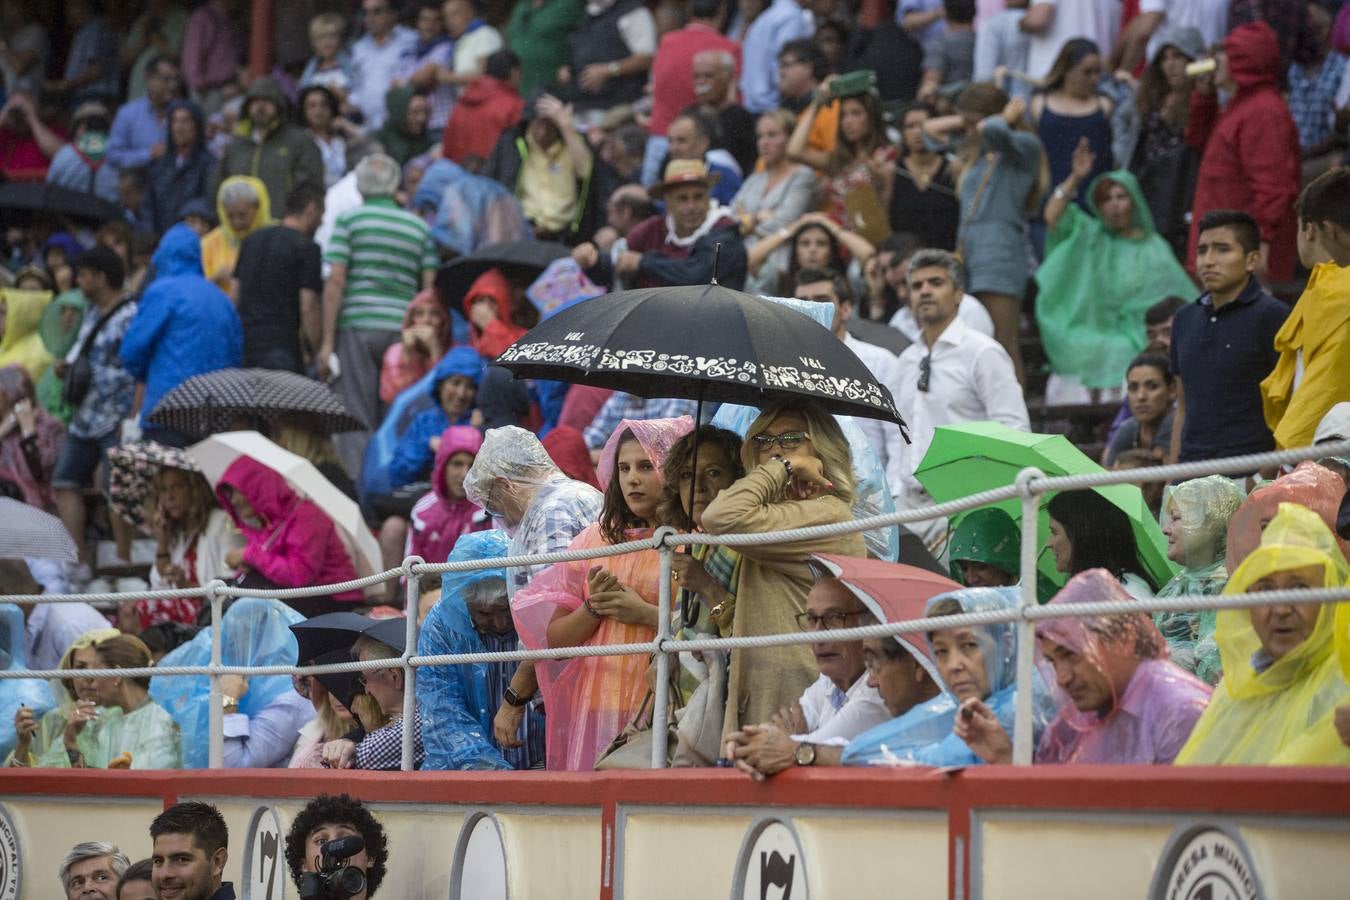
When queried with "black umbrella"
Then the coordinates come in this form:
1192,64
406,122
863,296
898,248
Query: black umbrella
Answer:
329,633
40,197
393,632
520,259
214,402
879,334
705,342
342,685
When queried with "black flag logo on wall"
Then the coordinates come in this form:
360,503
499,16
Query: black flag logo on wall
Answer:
776,871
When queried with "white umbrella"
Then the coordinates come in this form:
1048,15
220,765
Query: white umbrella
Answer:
218,452
28,532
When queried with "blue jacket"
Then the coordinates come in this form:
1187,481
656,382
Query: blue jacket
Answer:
184,325
413,454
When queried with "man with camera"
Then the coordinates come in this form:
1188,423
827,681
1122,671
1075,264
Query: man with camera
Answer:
336,849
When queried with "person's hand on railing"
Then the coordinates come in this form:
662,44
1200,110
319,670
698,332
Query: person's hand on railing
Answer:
339,754
977,725
761,750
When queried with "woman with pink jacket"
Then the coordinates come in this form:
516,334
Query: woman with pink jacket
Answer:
290,541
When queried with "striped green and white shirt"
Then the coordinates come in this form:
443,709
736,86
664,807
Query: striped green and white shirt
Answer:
385,249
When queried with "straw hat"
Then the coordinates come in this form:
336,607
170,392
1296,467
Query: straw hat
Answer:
681,172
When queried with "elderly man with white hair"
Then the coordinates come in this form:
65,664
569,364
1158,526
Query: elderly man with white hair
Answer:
714,74
517,483
379,255
91,871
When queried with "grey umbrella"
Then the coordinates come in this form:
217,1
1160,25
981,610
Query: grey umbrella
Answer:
27,532
217,401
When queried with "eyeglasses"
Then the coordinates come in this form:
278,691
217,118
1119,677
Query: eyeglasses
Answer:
925,372
835,618
788,440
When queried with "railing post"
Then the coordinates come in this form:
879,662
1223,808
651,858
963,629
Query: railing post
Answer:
661,707
411,597
1026,629
216,712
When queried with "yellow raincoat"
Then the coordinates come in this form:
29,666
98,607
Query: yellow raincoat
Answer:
220,246
1319,327
1282,715
21,344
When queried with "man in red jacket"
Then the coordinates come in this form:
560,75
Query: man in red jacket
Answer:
489,106
1250,148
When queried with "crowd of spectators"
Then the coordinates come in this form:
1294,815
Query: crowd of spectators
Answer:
1001,208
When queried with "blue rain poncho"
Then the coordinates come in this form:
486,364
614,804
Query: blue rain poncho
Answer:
454,701
36,695
467,211
256,632
902,741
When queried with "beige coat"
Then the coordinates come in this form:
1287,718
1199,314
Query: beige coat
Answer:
772,590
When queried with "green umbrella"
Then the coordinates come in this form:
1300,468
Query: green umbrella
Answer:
981,456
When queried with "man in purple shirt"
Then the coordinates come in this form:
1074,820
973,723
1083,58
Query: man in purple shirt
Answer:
211,52
138,130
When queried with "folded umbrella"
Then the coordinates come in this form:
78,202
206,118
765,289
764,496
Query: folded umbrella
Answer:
218,401
131,473
980,456
27,532
216,453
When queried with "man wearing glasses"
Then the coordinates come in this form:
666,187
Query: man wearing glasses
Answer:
138,130
951,374
375,59
837,707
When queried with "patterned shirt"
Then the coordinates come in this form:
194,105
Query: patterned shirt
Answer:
558,513
622,406
1312,99
382,749
442,96
530,755
112,389
385,249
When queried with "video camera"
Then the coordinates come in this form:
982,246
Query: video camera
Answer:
336,878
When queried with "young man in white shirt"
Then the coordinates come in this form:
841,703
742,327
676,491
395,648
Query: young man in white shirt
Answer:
829,286
952,374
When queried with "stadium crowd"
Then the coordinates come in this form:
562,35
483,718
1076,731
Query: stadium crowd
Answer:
1009,211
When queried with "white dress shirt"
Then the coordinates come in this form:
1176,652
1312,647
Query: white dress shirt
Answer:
885,367
836,717
971,379
267,739
970,311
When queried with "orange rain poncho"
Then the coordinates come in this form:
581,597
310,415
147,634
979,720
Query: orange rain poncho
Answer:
1282,714
1310,485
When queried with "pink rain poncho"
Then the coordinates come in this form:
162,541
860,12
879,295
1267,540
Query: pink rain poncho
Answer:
437,518
1316,487
589,701
1149,721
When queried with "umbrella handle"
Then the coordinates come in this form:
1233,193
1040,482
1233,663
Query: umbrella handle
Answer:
717,258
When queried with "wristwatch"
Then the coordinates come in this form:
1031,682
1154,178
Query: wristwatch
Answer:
229,704
805,754
511,697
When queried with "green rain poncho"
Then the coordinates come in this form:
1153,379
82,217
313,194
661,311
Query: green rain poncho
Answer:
1095,287
1199,512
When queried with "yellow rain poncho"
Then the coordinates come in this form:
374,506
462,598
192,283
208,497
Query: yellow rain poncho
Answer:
220,246
1282,715
21,344
1318,330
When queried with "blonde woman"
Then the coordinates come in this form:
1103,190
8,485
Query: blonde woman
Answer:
36,736
799,473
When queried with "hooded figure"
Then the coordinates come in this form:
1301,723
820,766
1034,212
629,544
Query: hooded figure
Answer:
567,448
35,695
1097,281
291,542
1272,710
501,332
457,703
1315,487
184,325
1151,704
398,140
1251,156
20,340
438,519
401,367
280,153
61,321
1314,347
1195,517
589,700
413,454
487,108
173,180
220,246
467,211
254,632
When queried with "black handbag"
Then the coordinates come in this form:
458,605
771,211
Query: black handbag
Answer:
80,374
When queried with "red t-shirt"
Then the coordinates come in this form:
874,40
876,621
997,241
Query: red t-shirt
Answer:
21,158
673,67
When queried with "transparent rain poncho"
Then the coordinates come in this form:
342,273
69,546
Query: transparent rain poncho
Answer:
255,632
52,725
455,702
1310,485
591,699
1282,714
1150,720
1201,510
36,695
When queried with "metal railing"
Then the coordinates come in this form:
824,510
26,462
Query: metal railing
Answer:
1028,487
